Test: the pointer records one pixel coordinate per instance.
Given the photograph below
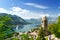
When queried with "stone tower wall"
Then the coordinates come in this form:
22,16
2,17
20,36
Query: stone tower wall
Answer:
44,23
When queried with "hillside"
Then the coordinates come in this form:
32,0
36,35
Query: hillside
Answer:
16,20
38,21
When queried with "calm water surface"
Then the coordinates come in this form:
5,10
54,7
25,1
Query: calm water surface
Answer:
26,28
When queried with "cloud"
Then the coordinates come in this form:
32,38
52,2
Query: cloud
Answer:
2,10
26,14
36,5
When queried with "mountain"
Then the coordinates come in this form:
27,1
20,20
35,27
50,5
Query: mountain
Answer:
16,20
51,19
39,21
34,21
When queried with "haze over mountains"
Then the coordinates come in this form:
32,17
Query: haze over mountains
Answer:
26,24
15,19
18,20
38,21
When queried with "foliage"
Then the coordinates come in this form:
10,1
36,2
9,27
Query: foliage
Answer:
25,37
41,34
31,38
38,38
54,28
58,20
14,39
5,30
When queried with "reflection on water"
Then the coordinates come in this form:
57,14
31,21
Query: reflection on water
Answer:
26,27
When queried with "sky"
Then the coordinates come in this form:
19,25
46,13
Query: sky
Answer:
28,9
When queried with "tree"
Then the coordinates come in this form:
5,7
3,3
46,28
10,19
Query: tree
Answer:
25,37
54,28
41,34
14,39
5,30
58,20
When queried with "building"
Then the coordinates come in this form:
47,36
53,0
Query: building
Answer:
44,23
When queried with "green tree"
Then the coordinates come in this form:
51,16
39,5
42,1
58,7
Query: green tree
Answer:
54,28
25,37
58,20
41,34
14,39
31,38
5,30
